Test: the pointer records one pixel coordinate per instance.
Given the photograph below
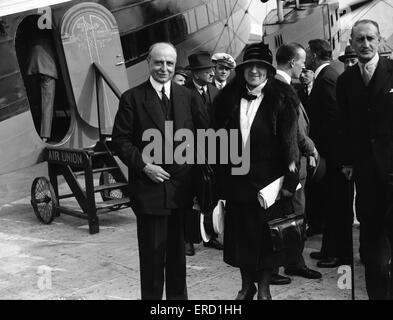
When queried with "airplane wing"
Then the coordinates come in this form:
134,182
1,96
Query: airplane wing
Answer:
8,7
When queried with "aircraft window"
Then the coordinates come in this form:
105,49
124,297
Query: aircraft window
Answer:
336,14
213,11
177,29
228,7
221,8
129,46
187,21
192,21
159,32
334,43
331,20
202,18
142,41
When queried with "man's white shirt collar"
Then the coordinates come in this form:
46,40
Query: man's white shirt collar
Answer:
319,69
219,84
370,65
200,88
285,75
158,87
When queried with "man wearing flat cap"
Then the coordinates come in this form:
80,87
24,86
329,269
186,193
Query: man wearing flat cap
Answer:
202,74
349,58
224,65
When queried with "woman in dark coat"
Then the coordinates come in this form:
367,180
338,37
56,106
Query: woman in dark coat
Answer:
264,113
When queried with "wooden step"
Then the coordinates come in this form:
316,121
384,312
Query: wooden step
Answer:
110,186
101,153
113,203
98,170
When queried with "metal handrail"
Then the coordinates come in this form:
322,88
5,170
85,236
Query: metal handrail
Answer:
101,73
107,80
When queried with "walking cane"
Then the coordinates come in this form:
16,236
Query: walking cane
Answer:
352,260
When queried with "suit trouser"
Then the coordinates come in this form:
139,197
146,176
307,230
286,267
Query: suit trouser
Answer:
162,254
294,257
48,90
337,233
316,209
375,232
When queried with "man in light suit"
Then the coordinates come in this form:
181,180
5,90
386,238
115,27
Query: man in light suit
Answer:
42,68
365,97
290,63
202,75
159,190
329,197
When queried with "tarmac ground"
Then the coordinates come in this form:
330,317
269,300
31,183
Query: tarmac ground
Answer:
63,261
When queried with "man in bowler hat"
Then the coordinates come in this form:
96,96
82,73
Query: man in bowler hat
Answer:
202,75
349,58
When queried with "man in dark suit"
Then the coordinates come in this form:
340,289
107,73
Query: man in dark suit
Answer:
329,197
202,75
159,190
304,86
290,63
365,97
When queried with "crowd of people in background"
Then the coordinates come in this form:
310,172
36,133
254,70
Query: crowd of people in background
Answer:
302,120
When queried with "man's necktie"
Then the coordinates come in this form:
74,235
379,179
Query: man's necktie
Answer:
204,95
366,74
165,102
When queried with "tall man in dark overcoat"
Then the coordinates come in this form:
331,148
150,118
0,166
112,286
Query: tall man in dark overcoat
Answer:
159,190
330,196
365,96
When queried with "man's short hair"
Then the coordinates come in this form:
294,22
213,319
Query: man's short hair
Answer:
287,52
321,48
158,44
365,21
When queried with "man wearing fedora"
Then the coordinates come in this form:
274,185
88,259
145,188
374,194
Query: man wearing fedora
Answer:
330,196
349,58
202,75
224,65
290,63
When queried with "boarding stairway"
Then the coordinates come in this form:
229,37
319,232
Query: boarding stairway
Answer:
80,169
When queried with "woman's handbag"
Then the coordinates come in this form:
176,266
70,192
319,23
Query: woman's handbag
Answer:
287,232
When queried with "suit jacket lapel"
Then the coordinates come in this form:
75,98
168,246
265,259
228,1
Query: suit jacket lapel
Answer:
153,107
203,110
381,77
302,110
178,103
